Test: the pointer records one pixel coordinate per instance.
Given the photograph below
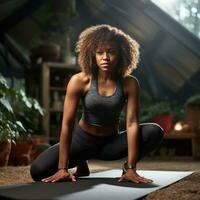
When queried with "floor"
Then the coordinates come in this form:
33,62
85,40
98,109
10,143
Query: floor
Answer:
150,164
187,188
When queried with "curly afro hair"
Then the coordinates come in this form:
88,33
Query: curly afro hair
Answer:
94,36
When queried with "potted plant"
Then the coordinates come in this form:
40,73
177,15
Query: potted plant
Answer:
159,113
192,108
29,113
10,127
55,31
17,120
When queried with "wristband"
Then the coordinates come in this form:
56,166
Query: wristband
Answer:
60,168
127,166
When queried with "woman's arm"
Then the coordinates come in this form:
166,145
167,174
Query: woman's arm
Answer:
132,90
132,119
74,91
73,94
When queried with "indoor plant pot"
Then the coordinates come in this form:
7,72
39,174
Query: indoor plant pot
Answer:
5,149
11,126
20,152
29,115
165,121
160,113
46,52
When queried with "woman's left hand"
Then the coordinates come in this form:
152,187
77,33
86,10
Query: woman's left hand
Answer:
133,176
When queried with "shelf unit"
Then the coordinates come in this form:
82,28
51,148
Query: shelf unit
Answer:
47,82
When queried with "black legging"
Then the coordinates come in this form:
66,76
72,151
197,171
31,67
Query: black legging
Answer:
84,146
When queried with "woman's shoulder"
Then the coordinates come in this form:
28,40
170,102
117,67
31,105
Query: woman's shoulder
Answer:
80,77
130,80
79,81
130,84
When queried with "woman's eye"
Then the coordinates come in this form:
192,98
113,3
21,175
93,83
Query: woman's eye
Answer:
113,52
99,52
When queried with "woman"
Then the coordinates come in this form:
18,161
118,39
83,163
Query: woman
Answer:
106,56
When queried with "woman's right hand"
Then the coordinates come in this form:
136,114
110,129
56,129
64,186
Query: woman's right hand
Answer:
60,175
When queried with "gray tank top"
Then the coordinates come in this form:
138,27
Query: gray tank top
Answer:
102,110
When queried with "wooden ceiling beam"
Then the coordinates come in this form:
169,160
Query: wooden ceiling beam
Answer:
22,12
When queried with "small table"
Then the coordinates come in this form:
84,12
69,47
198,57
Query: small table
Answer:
193,136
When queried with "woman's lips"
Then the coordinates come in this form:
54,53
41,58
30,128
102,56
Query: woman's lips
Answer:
105,64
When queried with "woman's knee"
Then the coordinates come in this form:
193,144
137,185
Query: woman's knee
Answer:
34,171
37,171
151,135
153,130
157,131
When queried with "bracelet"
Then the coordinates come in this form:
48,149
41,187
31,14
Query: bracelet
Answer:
60,168
127,166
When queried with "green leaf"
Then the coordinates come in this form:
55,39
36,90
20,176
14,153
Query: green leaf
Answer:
3,82
38,107
6,104
20,125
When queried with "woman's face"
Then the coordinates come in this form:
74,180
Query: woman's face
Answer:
107,56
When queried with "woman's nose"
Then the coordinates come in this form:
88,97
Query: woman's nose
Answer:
105,55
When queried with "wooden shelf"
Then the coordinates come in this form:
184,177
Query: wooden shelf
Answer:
57,65
44,81
55,110
180,135
62,89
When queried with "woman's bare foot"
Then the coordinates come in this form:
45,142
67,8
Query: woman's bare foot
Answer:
82,169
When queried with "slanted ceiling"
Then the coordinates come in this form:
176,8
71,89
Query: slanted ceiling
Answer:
170,54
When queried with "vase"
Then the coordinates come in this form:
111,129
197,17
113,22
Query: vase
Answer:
165,121
20,153
46,52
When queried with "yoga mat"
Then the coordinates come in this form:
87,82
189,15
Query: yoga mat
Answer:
98,186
